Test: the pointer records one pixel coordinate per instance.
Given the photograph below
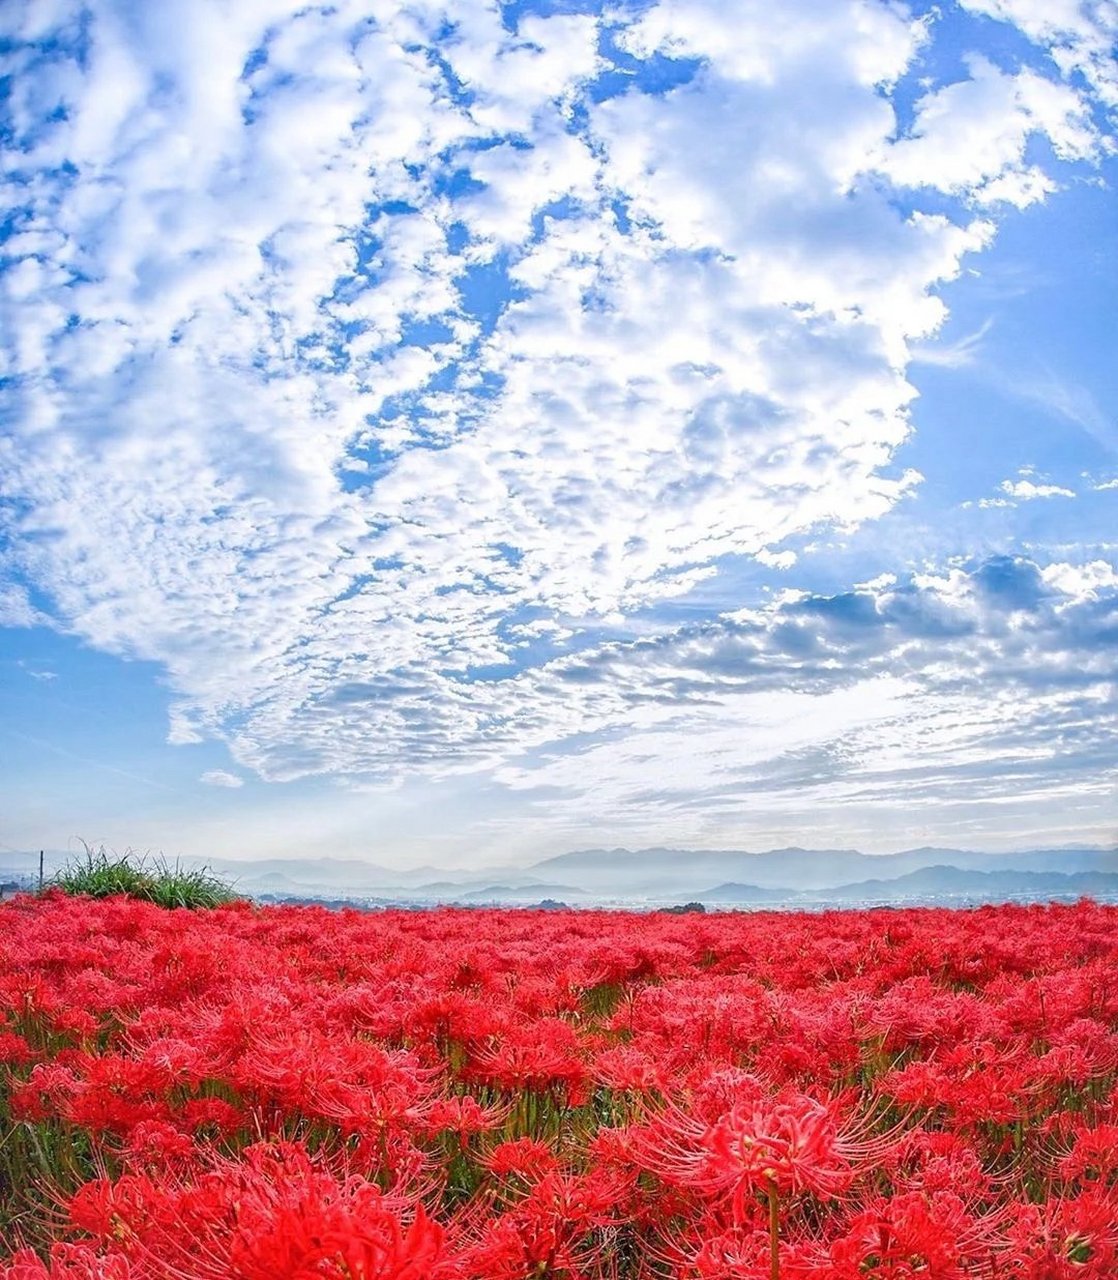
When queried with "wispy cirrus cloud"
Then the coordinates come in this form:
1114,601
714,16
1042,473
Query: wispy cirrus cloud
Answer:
959,354
1071,403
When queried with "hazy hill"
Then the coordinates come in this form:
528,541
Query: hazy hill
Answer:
521,893
992,886
662,870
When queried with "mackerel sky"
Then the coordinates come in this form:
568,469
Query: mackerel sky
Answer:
465,432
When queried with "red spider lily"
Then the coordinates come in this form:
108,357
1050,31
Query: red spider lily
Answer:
772,1147
477,1094
914,1234
45,1093
524,1158
549,1231
790,1143
277,1214
213,1116
737,1253
67,1262
938,1163
461,1115
628,1068
545,1056
154,1142
716,1091
1066,1238
746,1254
617,1148
1094,1155
14,1050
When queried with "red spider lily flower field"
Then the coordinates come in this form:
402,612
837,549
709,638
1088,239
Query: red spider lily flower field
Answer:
290,1093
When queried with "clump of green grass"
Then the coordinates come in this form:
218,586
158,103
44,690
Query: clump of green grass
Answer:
100,874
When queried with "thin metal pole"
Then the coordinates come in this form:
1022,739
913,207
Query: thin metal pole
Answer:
40,871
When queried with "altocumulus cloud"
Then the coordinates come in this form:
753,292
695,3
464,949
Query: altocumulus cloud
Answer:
363,362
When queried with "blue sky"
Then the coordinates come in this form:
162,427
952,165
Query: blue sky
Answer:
462,433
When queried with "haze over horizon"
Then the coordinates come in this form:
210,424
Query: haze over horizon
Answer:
484,431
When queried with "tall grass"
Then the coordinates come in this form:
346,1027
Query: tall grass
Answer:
100,874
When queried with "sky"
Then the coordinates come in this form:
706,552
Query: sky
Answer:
460,433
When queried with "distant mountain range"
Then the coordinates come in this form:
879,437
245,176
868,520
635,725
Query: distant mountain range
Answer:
659,876
928,884
677,870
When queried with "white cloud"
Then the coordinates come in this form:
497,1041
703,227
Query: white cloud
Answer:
755,43
279,424
16,609
221,778
1081,581
938,691
970,137
37,673
1027,490
1078,35
776,559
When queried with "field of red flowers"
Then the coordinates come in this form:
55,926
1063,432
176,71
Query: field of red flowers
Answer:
292,1094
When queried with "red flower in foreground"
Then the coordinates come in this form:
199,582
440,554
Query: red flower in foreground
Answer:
793,1144
785,1145
275,1214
